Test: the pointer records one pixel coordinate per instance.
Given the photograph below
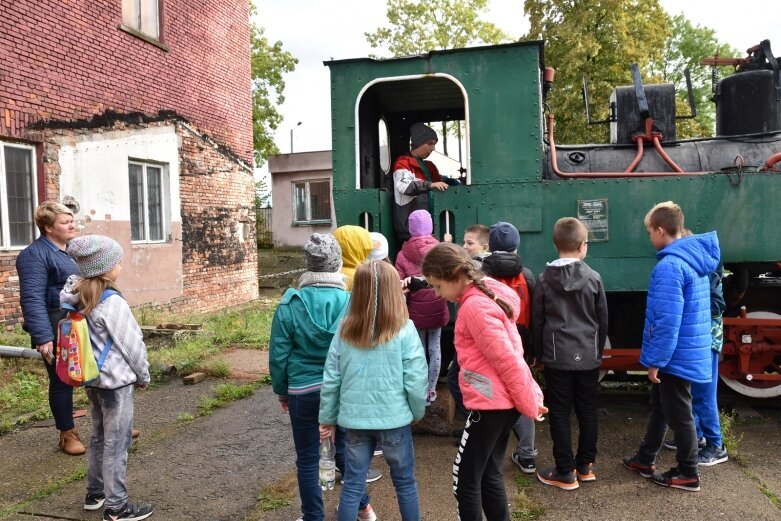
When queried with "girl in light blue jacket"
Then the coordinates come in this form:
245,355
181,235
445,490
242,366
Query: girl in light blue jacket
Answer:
374,385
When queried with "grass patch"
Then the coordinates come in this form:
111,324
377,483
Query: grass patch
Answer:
215,369
523,508
730,439
50,488
246,327
186,355
274,496
185,417
224,394
24,393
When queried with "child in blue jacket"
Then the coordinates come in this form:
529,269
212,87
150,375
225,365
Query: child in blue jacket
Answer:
375,385
304,325
676,342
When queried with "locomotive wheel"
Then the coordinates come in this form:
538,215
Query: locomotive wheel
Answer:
756,389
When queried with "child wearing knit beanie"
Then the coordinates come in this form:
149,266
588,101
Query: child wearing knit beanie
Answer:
301,332
113,328
428,312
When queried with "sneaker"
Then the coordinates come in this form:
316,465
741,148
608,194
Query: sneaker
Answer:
585,472
129,512
644,469
675,479
670,444
367,514
94,501
378,450
527,466
711,455
551,476
371,476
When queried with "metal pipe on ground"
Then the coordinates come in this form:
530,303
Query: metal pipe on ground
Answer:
19,352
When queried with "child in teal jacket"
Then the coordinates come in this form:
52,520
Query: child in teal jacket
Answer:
375,385
304,325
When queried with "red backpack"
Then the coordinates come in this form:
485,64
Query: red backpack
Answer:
521,286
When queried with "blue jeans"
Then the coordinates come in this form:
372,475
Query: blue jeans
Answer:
400,455
705,406
112,425
304,410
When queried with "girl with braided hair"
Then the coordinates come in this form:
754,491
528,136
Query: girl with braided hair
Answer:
496,382
374,385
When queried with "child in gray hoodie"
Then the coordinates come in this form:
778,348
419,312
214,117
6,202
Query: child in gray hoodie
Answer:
569,328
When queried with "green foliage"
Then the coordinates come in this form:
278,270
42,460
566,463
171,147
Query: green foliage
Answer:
248,326
185,417
17,337
419,26
185,354
215,369
599,39
523,507
730,439
262,228
269,63
687,44
223,395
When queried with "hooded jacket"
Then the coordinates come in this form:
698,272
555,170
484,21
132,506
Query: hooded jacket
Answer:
676,336
493,373
426,310
411,190
126,362
304,325
569,316
506,267
356,244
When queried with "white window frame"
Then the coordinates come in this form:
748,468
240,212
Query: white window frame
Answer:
136,24
5,242
165,204
309,221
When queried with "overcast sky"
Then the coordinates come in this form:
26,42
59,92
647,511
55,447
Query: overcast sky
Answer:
315,31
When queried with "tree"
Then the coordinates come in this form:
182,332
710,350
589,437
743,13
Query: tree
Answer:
418,26
269,64
599,39
687,44
262,226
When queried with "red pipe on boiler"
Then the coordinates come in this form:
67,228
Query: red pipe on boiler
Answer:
771,162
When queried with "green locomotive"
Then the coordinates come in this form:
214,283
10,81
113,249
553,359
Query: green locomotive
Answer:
503,148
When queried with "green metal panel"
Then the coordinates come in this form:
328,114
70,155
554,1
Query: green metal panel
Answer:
502,84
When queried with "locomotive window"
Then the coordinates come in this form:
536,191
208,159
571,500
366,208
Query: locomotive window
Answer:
382,131
387,107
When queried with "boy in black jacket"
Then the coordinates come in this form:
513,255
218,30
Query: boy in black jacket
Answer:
504,265
569,328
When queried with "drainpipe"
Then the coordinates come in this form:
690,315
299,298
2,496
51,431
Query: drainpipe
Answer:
19,352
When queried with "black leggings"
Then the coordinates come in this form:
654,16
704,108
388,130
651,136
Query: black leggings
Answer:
478,482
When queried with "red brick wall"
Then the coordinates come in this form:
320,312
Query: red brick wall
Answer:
69,60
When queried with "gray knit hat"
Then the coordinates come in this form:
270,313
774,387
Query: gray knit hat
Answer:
95,254
420,134
323,253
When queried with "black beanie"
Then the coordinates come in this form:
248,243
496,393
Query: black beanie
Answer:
420,134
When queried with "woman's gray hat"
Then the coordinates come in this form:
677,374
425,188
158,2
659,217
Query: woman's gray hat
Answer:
420,134
323,253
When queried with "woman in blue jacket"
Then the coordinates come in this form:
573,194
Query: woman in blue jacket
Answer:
43,268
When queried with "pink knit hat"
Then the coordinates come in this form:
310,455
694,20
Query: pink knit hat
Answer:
420,223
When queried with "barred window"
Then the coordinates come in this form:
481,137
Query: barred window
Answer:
312,202
148,202
17,195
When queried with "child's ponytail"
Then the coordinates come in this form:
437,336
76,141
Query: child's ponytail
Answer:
451,263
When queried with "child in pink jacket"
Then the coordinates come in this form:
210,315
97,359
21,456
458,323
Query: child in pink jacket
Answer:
495,380
426,310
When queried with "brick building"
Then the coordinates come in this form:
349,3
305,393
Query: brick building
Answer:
139,114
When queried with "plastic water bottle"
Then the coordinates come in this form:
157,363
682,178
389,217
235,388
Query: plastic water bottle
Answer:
327,464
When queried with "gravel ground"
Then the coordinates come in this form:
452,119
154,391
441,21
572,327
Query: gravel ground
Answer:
214,467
